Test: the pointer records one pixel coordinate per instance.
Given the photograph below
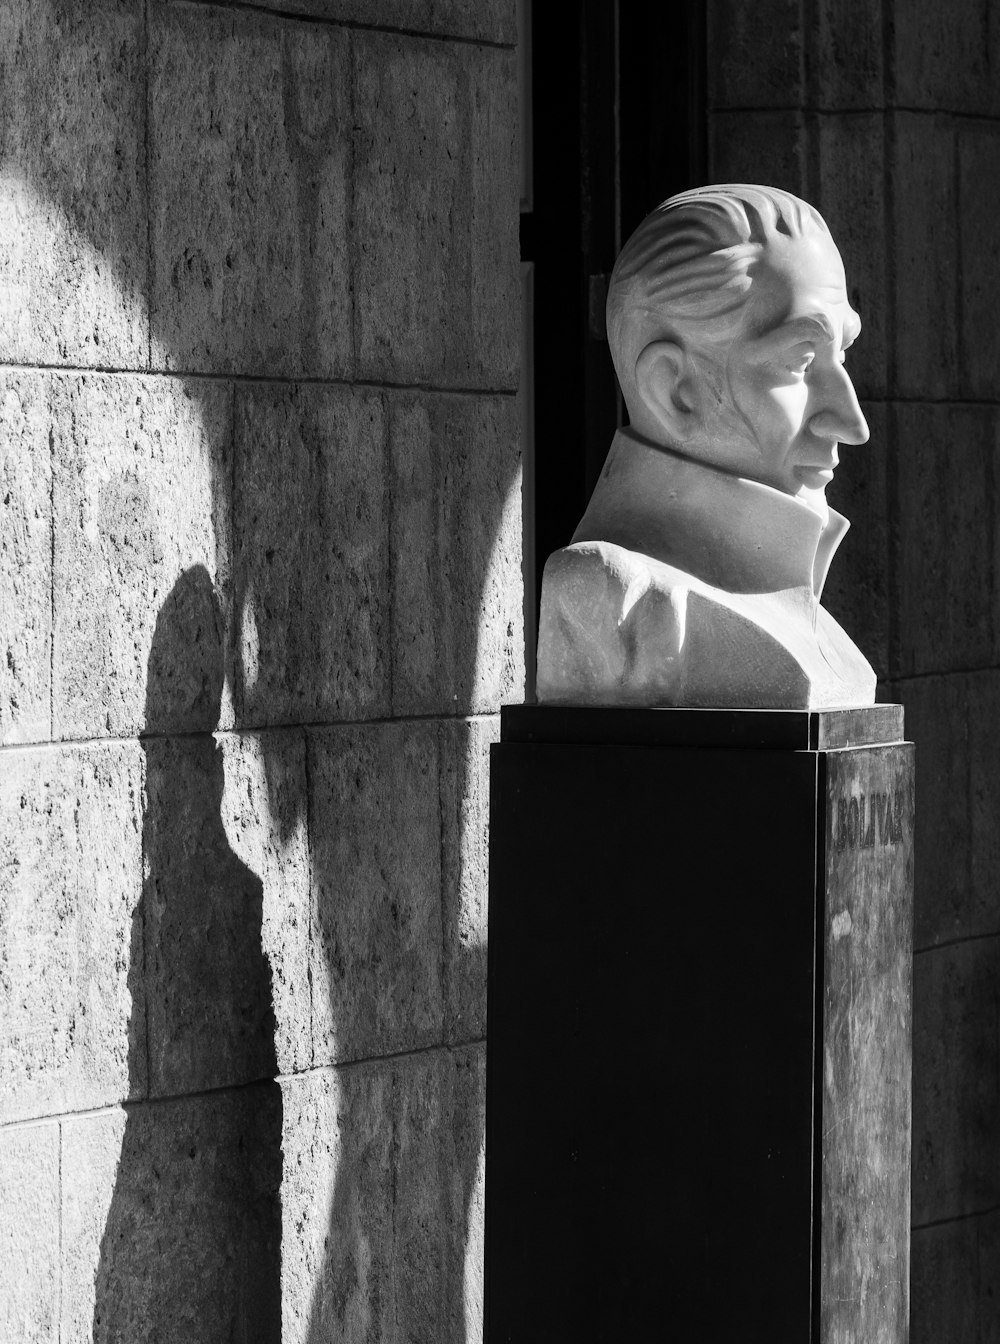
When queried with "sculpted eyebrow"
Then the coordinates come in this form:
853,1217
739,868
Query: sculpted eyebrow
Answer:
812,326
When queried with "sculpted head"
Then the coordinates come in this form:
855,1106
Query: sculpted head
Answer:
728,319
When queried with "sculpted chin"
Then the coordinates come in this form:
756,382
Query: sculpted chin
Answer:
695,575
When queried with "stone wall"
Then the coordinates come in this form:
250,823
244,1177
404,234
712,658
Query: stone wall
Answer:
260,592
887,117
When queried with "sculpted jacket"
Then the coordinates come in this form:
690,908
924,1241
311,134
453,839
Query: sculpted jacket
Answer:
685,585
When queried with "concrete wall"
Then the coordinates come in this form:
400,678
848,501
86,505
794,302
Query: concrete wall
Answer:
887,117
260,592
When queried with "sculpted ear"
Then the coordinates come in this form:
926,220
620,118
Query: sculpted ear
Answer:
666,389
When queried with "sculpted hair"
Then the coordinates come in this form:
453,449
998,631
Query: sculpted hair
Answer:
686,272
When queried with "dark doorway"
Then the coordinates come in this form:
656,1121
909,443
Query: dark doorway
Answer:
615,109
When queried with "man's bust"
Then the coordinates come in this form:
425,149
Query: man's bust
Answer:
695,575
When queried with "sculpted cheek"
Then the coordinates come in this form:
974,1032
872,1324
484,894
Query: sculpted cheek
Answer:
789,404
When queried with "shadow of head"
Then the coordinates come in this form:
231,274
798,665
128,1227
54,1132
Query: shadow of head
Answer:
186,660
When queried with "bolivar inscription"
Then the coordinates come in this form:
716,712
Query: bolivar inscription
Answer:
866,820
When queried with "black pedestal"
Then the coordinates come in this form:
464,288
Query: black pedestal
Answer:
698,1081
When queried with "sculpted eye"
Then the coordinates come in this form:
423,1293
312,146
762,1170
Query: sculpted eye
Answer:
800,361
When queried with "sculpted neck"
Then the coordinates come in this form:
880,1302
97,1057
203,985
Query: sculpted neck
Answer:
733,533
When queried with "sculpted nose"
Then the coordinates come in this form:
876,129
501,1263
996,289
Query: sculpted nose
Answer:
840,417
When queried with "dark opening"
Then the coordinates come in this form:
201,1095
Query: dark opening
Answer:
617,117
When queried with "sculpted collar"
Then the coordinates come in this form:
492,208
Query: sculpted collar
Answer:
730,532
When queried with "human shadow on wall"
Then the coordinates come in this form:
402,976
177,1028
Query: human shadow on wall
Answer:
191,1249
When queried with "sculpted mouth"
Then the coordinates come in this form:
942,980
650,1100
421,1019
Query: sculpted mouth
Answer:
818,471
815,475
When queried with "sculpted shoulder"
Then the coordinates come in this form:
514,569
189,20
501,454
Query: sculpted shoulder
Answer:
587,648
619,627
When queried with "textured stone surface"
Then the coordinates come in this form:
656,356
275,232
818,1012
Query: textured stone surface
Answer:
979,163
91,1149
490,20
191,1245
851,198
382,1201
755,57
765,147
458,641
945,470
464,1140
25,558
206,979
249,154
72,1027
311,1149
29,1234
141,492
264,814
857,589
924,353
465,808
956,1080
955,720
955,1270
72,207
946,58
375,830
937,719
435,212
844,58
312,563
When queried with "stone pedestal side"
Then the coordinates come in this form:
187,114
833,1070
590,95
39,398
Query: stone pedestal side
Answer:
700,1024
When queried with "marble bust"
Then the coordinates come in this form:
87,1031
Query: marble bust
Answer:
695,575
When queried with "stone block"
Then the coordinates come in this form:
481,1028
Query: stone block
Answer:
988,1230
191,1243
755,58
457,589
29,1234
851,198
435,212
945,58
312,559
465,1186
73,274
485,20
264,815
944,539
924,356
955,720
767,147
944,1275
141,503
844,60
207,980
937,719
339,1206
249,145
72,1015
979,170
375,831
956,1080
312,1143
91,1150
857,589
984,799
382,1201
25,558
465,806
954,1272
439,1188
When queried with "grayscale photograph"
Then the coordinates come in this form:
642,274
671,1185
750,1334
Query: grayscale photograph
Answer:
499,672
